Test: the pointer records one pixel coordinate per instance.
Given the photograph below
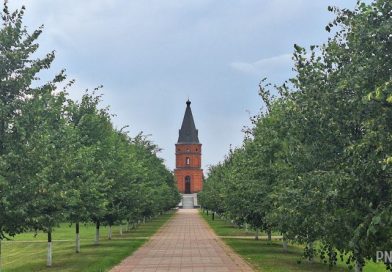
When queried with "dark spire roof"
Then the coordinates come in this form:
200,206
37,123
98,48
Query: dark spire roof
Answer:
188,132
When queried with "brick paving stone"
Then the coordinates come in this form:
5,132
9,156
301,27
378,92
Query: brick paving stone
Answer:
185,244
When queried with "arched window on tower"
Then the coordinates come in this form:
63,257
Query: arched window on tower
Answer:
187,161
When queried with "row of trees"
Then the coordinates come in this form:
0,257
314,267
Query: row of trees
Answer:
317,164
63,160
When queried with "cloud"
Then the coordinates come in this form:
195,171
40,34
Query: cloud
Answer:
264,66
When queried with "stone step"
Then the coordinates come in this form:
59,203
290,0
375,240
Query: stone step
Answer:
187,202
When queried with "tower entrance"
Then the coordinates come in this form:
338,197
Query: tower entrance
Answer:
187,184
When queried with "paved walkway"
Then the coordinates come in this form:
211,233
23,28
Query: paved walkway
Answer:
185,243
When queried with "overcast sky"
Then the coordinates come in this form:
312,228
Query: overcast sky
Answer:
151,55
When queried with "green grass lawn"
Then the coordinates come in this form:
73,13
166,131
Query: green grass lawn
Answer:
27,253
223,228
269,256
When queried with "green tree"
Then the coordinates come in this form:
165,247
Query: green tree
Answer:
17,71
320,155
84,177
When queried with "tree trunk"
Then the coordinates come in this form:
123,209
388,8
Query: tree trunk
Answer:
0,255
358,266
207,211
213,215
2,132
144,220
285,244
121,230
97,233
246,227
257,234
310,245
77,246
269,234
49,256
110,232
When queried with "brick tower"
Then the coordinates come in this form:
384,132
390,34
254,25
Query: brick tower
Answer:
188,170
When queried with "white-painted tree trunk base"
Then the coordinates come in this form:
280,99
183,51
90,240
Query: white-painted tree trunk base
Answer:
285,246
49,257
97,236
77,247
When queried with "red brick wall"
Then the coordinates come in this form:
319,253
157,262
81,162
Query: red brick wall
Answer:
193,152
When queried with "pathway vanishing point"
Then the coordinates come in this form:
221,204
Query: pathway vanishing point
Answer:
185,243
